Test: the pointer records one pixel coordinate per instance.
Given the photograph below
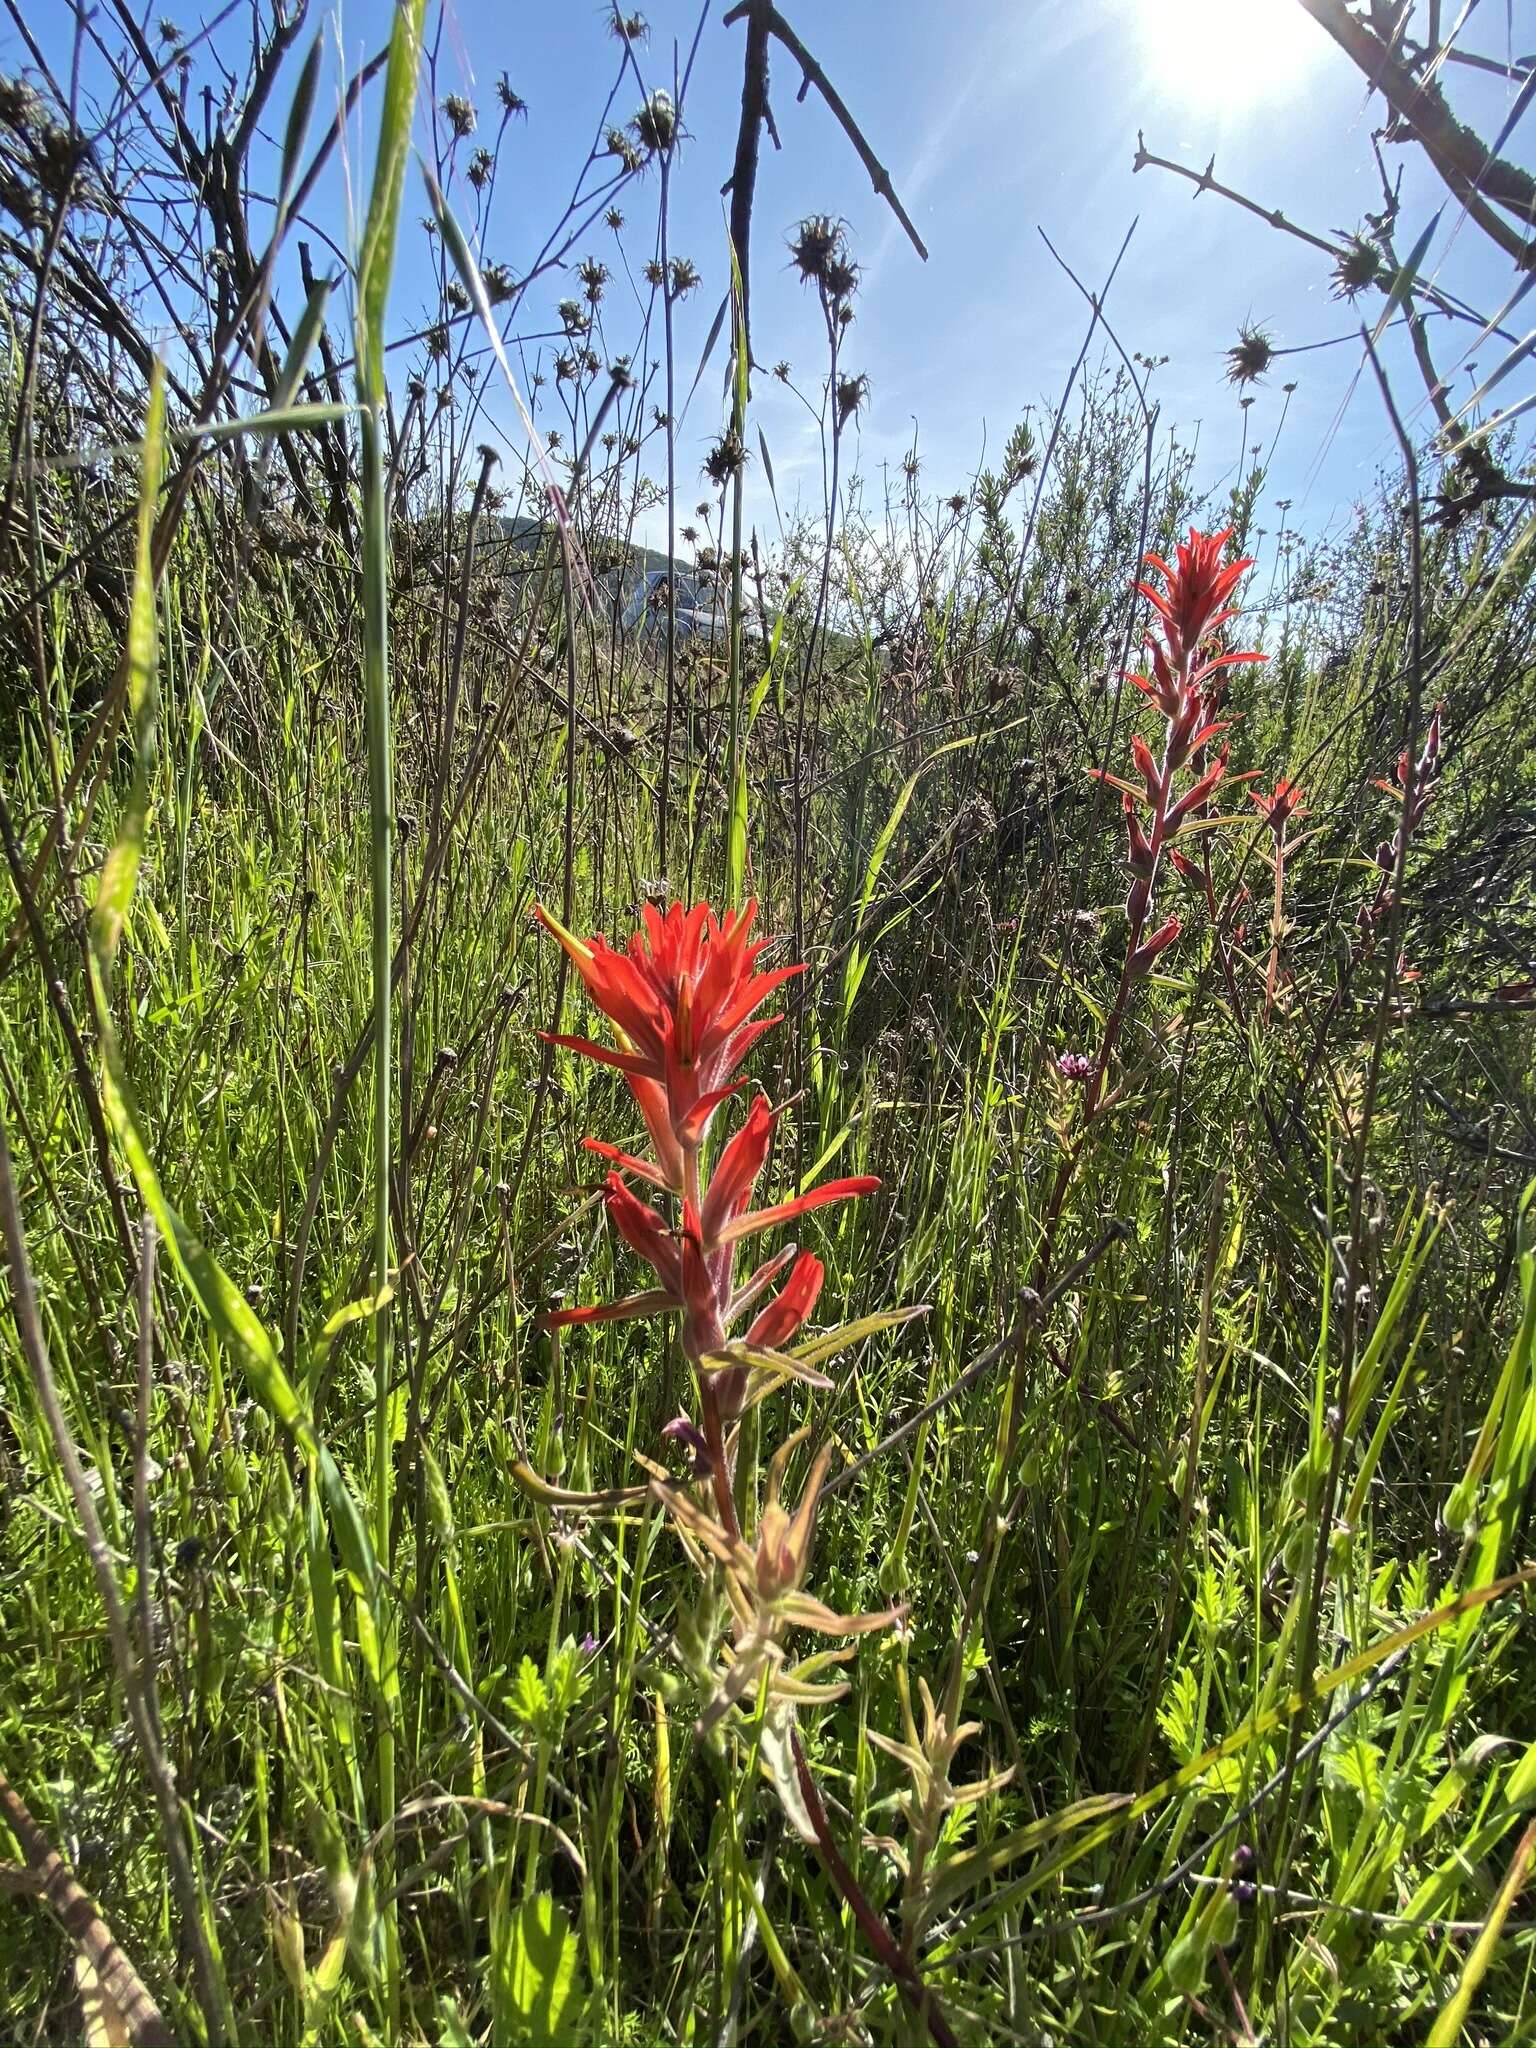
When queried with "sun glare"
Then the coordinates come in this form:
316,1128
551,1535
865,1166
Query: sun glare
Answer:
1227,53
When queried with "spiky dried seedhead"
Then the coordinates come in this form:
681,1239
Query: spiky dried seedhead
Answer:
656,123
20,108
850,396
725,458
459,115
511,102
619,144
816,244
1360,265
594,276
685,276
628,28
1250,356
840,284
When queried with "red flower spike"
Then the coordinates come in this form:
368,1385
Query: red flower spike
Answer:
751,1290
1140,858
1283,803
703,1324
1198,586
681,998
1185,868
780,1320
652,1302
1146,767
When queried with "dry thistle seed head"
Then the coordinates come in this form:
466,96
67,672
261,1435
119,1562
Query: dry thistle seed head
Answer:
500,284
437,342
1360,264
511,102
781,370
56,157
725,458
628,28
481,165
456,296
623,147
565,368
574,317
19,105
685,276
815,244
613,219
459,115
850,397
594,276
653,273
656,123
1250,356
840,284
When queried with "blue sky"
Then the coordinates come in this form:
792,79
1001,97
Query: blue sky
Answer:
995,120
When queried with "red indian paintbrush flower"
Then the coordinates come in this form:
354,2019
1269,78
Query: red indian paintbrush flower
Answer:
1285,801
1182,684
1195,601
1184,681
681,999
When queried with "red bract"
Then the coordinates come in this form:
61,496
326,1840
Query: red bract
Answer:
1285,801
680,998
1195,601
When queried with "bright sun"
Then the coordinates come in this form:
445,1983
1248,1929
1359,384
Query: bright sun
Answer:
1227,53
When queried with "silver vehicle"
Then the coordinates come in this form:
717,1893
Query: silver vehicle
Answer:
699,612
